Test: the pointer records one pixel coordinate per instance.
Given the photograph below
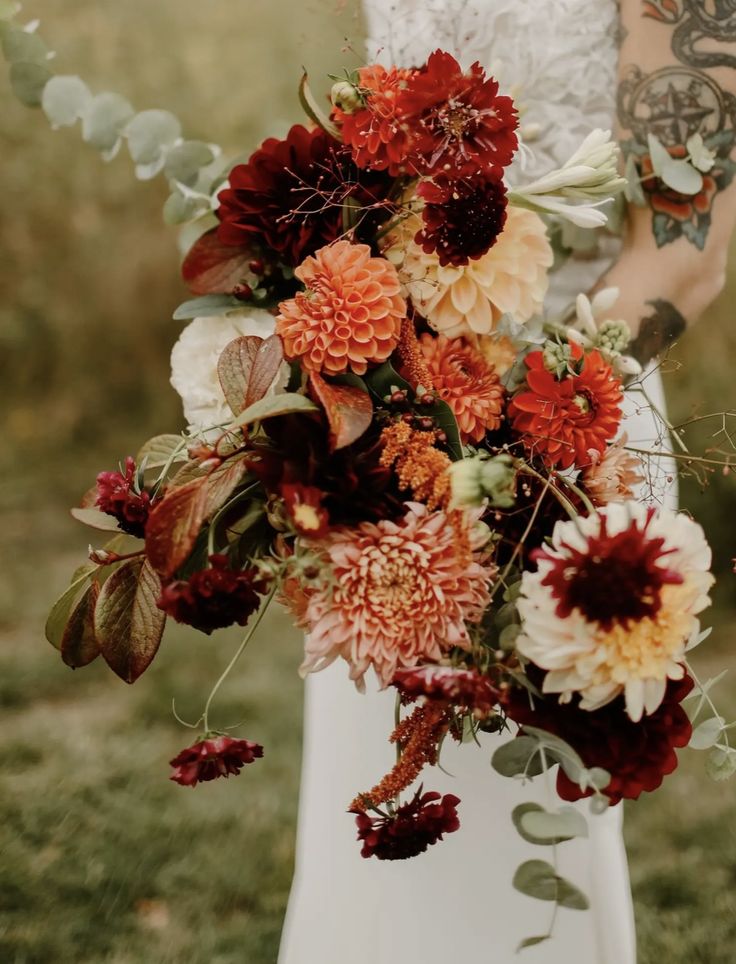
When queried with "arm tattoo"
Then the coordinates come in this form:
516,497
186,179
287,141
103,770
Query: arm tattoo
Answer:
681,100
658,331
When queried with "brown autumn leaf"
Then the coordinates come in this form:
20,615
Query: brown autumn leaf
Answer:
349,410
79,644
213,268
173,526
234,369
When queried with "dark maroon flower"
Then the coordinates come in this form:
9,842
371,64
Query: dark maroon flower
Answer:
411,829
211,758
461,125
637,755
462,218
612,579
118,495
212,598
466,688
289,196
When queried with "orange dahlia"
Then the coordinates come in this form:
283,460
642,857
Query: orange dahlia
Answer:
470,386
349,315
562,420
393,594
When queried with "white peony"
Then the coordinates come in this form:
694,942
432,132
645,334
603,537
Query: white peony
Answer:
194,363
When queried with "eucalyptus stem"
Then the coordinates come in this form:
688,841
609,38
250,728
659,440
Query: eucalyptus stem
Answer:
238,653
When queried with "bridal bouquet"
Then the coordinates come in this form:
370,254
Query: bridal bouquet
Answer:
389,436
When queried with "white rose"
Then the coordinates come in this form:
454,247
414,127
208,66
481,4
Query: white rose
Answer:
194,363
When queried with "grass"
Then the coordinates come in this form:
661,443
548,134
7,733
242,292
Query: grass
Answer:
103,859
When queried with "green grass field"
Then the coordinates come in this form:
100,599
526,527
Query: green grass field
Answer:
102,859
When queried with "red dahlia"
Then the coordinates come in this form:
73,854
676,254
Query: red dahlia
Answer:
376,132
465,688
460,125
212,598
462,218
289,196
637,755
211,758
119,495
410,829
561,420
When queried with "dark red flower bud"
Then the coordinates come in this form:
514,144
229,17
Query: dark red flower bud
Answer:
118,496
209,759
243,292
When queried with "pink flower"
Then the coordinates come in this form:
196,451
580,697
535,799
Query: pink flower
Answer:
394,594
209,759
612,475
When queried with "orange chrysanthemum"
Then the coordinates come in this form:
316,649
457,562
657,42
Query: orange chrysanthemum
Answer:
349,315
420,467
393,594
470,386
563,420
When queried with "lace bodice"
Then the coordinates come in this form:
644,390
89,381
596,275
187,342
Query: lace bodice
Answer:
556,57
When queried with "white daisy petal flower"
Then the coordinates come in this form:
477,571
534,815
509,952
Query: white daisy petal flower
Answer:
194,361
613,605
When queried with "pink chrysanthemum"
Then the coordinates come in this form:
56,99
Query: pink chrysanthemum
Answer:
463,378
612,475
393,594
350,314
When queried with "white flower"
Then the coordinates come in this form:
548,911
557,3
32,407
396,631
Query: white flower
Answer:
194,363
613,605
596,329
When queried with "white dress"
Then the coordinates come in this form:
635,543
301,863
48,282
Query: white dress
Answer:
455,902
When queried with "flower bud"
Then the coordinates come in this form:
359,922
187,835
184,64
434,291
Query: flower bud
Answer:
346,96
613,337
556,356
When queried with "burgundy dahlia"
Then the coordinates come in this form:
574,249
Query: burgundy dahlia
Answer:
411,829
212,598
119,495
289,196
462,218
461,124
637,755
218,756
465,688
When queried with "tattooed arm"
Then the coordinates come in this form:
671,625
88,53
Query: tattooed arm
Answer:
677,79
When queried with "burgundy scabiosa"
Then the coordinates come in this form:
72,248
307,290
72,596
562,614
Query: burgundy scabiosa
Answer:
462,218
213,757
411,829
212,598
120,496
464,688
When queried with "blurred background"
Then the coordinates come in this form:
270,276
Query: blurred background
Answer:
102,859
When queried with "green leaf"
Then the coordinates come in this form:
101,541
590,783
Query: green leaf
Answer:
537,878
160,450
633,190
518,757
184,161
103,122
682,177
564,824
21,46
65,100
560,752
283,404
128,624
207,306
96,519
28,82
532,942
149,135
79,644
313,110
721,763
658,153
707,733
60,611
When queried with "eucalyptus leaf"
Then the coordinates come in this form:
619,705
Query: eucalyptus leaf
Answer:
537,878
28,81
184,161
721,763
633,190
21,46
707,733
658,153
179,209
517,816
518,758
149,134
564,824
103,122
206,307
681,176
532,942
561,752
65,100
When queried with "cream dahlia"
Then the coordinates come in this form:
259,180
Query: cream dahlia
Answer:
394,594
349,315
469,385
613,604
511,278
612,475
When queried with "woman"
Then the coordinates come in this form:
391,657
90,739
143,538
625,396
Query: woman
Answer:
559,58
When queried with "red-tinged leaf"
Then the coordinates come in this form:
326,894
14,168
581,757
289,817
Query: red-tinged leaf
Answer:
62,608
221,483
173,526
212,268
266,365
89,499
79,644
349,410
127,623
234,369
96,519
189,472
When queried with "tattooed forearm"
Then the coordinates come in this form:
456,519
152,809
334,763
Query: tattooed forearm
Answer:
658,331
679,101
